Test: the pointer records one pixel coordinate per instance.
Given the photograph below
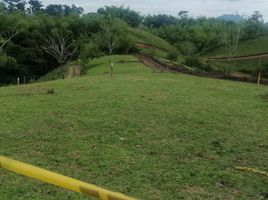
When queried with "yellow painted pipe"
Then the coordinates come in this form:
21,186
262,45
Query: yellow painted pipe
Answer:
60,180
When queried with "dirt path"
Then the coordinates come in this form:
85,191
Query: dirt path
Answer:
154,64
73,71
148,46
239,58
158,65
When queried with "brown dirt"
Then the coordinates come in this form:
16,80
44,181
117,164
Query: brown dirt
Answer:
73,71
153,63
239,58
148,46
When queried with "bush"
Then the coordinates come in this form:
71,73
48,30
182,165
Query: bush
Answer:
7,63
90,50
188,48
172,55
194,61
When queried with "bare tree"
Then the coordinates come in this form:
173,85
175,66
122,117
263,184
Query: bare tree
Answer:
62,48
107,37
6,37
230,39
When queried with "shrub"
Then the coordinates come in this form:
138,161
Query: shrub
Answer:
90,50
173,55
7,63
188,48
194,61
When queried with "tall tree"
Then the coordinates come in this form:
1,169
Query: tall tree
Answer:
230,38
107,37
61,47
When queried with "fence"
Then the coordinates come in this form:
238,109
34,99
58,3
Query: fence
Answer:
60,180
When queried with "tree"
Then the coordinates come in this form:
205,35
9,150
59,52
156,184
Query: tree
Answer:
35,6
63,10
256,17
107,38
131,17
7,36
2,7
230,38
62,48
159,20
13,5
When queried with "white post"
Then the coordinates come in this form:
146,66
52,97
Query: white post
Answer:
18,81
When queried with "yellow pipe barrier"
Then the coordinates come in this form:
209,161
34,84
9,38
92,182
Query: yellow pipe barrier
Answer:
248,169
60,180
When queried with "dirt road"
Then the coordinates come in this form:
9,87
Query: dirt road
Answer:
73,71
239,58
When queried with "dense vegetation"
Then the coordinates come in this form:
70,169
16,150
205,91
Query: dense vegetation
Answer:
31,35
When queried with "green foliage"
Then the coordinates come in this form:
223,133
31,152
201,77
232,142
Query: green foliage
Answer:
173,55
90,50
131,17
2,7
188,48
192,61
157,21
7,63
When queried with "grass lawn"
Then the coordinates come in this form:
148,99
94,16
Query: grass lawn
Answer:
248,47
155,136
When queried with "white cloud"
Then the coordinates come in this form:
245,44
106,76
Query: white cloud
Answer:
196,7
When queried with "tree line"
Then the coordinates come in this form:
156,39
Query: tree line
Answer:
35,39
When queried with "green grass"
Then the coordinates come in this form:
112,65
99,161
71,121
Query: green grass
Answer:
141,36
248,47
151,135
58,73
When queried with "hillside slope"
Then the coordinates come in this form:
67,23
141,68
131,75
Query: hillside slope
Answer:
247,47
151,135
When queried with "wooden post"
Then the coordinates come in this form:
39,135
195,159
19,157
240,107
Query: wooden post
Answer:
18,81
111,68
24,80
259,77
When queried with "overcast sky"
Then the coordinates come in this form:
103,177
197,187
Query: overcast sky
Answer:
196,7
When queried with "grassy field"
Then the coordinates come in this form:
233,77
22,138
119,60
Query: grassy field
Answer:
155,136
248,47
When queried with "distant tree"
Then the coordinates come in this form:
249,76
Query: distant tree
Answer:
107,38
2,7
159,20
55,10
63,10
35,6
254,26
14,5
256,17
183,14
131,17
61,47
77,10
